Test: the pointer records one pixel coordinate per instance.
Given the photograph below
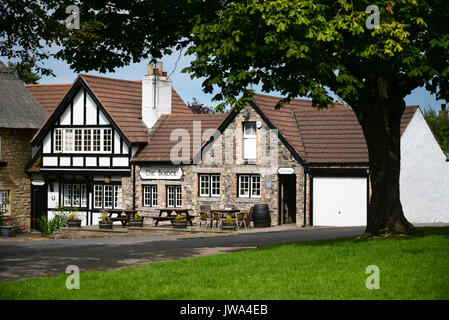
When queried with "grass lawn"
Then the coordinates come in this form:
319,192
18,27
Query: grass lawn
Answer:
410,268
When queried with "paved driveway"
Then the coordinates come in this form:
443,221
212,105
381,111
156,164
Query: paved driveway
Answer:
21,260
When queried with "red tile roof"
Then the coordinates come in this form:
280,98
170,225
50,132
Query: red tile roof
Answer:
49,95
159,144
284,119
121,98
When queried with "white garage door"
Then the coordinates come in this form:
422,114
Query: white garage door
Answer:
339,201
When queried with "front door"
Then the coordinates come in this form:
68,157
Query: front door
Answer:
38,204
287,198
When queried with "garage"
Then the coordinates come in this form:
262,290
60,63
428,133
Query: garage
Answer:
339,197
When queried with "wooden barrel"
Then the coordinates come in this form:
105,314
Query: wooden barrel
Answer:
261,216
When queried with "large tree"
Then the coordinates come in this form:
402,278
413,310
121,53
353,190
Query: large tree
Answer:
297,47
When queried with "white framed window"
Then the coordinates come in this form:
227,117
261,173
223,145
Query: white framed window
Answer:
108,196
249,186
83,196
107,140
209,185
98,196
68,140
174,196
83,140
67,195
204,185
78,140
74,195
87,140
249,141
96,140
76,199
150,196
215,189
58,140
4,206
117,197
255,186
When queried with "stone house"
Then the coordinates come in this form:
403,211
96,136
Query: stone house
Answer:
20,117
120,144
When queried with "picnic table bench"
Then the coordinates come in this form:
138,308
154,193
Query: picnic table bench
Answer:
123,219
170,217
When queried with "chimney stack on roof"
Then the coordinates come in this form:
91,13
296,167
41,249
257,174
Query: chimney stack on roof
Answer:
156,94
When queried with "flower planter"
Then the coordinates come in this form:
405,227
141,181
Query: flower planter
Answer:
228,226
6,231
138,224
105,225
74,223
179,224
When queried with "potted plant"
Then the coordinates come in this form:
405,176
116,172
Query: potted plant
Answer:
5,224
105,222
73,221
179,222
229,224
137,221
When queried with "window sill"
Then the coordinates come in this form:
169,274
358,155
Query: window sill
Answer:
211,199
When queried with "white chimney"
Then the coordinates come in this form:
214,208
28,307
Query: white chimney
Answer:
156,94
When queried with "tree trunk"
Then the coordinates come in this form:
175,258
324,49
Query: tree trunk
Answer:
381,122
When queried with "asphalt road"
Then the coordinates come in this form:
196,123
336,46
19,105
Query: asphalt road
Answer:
22,260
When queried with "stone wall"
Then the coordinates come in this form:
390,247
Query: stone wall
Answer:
16,151
225,157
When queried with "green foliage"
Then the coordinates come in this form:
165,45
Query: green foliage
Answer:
228,219
24,71
439,123
180,218
52,226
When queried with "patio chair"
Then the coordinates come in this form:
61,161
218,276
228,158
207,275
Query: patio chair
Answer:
204,219
218,220
241,219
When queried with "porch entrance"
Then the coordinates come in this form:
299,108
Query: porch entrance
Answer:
287,198
38,203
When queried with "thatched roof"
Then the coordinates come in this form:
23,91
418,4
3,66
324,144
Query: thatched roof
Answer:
18,108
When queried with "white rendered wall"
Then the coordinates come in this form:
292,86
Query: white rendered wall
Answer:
424,180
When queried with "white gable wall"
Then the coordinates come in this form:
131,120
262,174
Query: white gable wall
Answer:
424,180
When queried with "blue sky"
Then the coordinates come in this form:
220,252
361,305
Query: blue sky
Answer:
191,88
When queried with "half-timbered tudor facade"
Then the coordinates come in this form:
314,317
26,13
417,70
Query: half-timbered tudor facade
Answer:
86,145
120,144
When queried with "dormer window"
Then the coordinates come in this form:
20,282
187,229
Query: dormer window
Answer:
249,141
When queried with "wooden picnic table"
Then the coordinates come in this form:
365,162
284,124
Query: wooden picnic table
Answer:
123,219
170,217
